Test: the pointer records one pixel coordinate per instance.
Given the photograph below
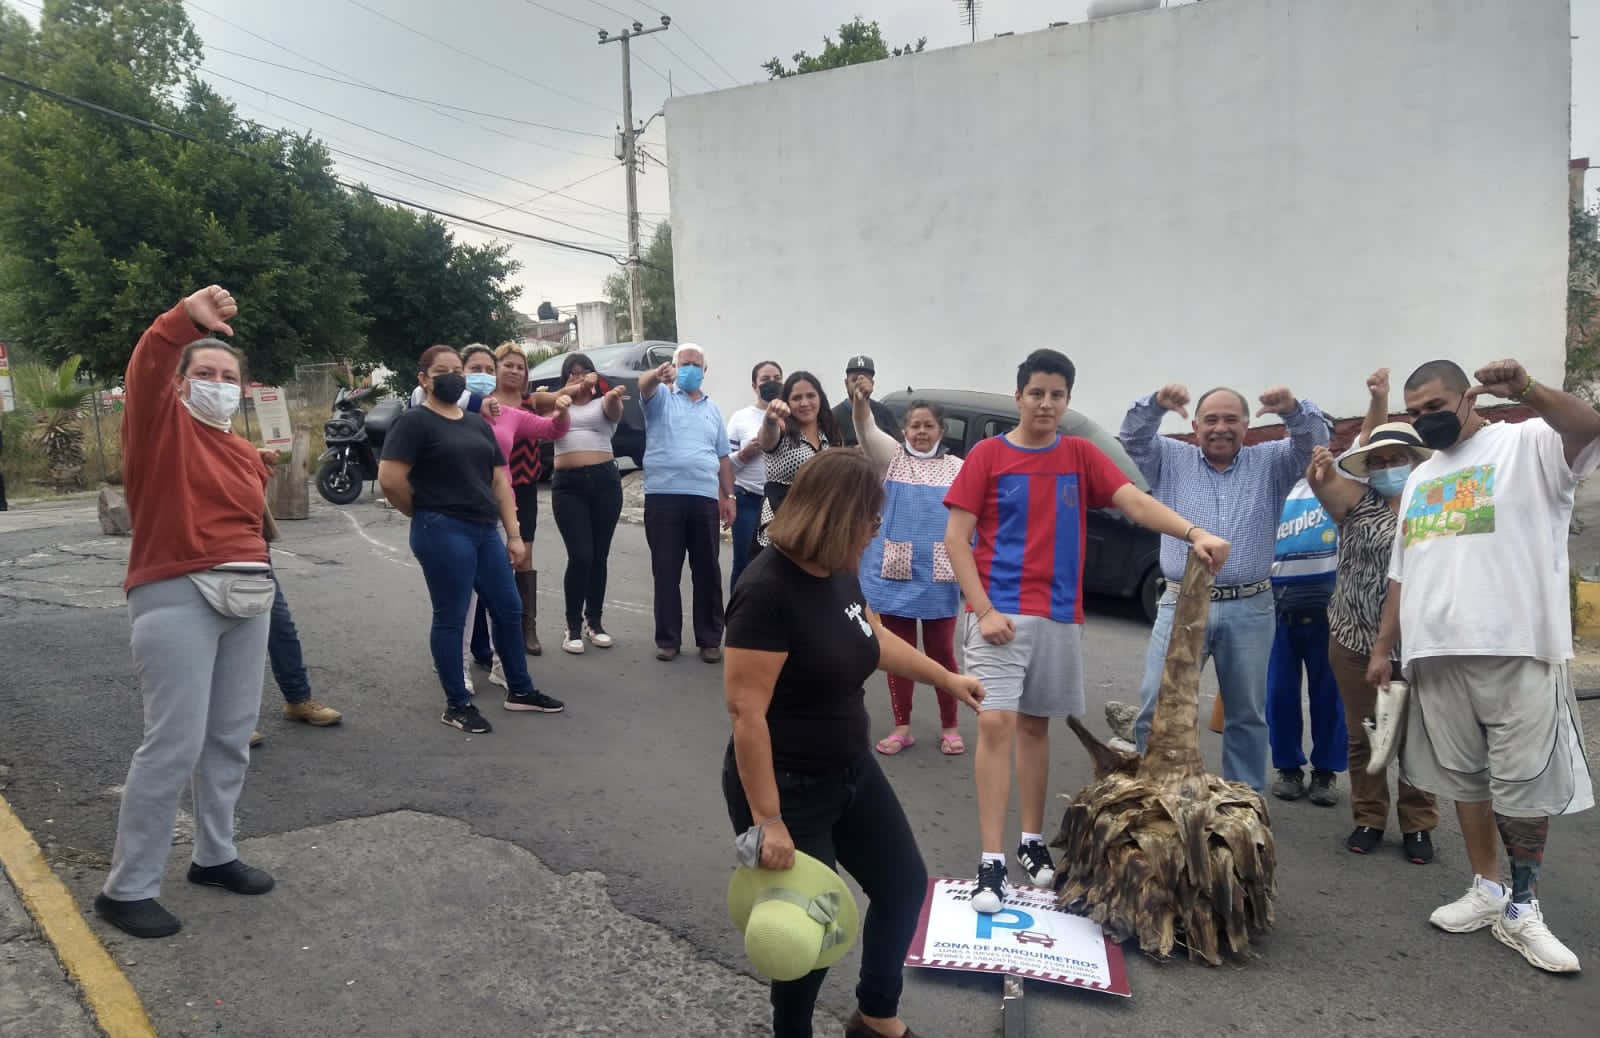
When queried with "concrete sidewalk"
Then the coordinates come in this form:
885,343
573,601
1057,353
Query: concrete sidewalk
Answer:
36,995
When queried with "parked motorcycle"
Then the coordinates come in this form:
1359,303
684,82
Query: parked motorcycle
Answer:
354,439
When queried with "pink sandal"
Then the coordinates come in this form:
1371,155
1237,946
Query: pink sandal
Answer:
892,744
950,744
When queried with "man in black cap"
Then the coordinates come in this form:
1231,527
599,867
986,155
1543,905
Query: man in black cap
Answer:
857,368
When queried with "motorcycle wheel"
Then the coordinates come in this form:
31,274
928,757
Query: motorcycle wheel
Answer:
336,483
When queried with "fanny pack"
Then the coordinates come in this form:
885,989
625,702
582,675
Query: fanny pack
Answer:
237,590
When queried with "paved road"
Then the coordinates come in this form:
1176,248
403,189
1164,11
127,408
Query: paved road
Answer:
564,875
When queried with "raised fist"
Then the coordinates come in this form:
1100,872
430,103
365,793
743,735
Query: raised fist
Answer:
1277,400
211,308
1173,397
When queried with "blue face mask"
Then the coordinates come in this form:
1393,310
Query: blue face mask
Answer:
481,383
1389,482
690,376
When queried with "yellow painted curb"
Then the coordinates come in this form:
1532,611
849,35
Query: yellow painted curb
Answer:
112,1000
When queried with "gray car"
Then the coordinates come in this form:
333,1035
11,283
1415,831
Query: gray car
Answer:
618,364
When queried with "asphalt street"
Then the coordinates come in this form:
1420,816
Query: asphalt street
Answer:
565,874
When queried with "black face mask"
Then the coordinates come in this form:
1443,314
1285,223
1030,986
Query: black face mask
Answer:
1439,430
447,389
769,391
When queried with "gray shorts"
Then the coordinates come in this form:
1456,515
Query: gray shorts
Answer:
1500,729
1039,672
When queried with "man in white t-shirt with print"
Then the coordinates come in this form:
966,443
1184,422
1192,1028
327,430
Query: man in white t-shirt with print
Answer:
1478,603
750,462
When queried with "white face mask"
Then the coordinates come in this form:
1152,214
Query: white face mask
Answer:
932,452
213,403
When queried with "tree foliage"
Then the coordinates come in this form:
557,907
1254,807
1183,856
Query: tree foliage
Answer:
1583,304
660,302
859,41
105,224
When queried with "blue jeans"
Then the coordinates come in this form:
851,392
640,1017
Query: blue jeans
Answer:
1302,639
745,520
456,556
1238,641
283,650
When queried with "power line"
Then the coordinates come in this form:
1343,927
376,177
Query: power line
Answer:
674,55
111,113
475,59
709,56
562,14
210,47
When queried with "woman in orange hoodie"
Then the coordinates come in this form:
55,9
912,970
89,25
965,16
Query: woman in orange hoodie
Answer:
199,597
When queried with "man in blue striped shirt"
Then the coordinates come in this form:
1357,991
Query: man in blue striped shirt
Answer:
1238,493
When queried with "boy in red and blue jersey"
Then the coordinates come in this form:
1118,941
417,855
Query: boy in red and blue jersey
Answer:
1015,537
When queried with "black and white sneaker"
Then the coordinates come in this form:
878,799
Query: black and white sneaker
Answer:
465,718
534,700
1034,858
992,887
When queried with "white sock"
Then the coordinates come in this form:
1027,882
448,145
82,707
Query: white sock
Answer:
1492,887
1028,838
987,858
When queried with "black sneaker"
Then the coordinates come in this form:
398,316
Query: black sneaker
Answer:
1291,784
465,718
234,875
142,918
1323,793
1034,858
1363,839
534,700
1418,847
991,888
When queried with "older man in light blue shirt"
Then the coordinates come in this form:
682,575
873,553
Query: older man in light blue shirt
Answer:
1236,492
688,499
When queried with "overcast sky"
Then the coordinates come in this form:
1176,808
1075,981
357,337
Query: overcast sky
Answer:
538,61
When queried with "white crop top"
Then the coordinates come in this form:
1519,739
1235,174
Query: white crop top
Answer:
591,430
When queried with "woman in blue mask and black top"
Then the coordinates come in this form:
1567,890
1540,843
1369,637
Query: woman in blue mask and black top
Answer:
443,468
1384,457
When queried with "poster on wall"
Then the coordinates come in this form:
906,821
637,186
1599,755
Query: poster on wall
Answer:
272,411
1030,937
8,399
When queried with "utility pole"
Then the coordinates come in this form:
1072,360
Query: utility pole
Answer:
629,157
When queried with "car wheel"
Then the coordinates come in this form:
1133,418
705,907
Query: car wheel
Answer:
1150,589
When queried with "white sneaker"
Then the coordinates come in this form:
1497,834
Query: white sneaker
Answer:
1474,910
1521,926
571,644
599,638
497,675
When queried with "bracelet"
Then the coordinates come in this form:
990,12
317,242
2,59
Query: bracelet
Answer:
1526,389
1187,532
774,818
986,612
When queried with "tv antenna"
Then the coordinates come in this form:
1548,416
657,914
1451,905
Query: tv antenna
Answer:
969,15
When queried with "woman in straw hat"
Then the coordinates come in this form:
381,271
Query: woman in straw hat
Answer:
799,769
1384,457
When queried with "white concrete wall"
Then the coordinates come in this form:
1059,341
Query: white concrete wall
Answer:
1246,192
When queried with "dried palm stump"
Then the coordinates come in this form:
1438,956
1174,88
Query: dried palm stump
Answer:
1157,849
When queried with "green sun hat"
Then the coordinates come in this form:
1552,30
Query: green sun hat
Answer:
795,921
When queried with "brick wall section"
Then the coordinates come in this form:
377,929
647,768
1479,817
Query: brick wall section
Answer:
1345,430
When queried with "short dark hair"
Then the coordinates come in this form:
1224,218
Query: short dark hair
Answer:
923,405
825,422
834,499
209,344
432,353
1046,362
1244,405
1448,372
755,372
572,361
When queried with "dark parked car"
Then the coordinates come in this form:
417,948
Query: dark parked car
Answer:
621,363
1122,559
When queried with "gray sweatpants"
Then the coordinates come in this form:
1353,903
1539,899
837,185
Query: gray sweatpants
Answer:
201,675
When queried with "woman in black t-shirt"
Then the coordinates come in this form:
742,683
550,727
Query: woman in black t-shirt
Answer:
801,643
442,467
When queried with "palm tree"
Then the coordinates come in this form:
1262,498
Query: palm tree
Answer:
1157,849
56,400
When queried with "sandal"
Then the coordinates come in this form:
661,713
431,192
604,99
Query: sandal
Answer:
892,744
951,745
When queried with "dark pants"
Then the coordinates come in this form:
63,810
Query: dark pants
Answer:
1418,811
675,524
746,519
851,819
457,556
587,502
1302,641
283,650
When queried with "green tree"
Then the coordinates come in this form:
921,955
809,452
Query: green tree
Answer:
660,303
423,288
54,399
104,224
1583,304
859,41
